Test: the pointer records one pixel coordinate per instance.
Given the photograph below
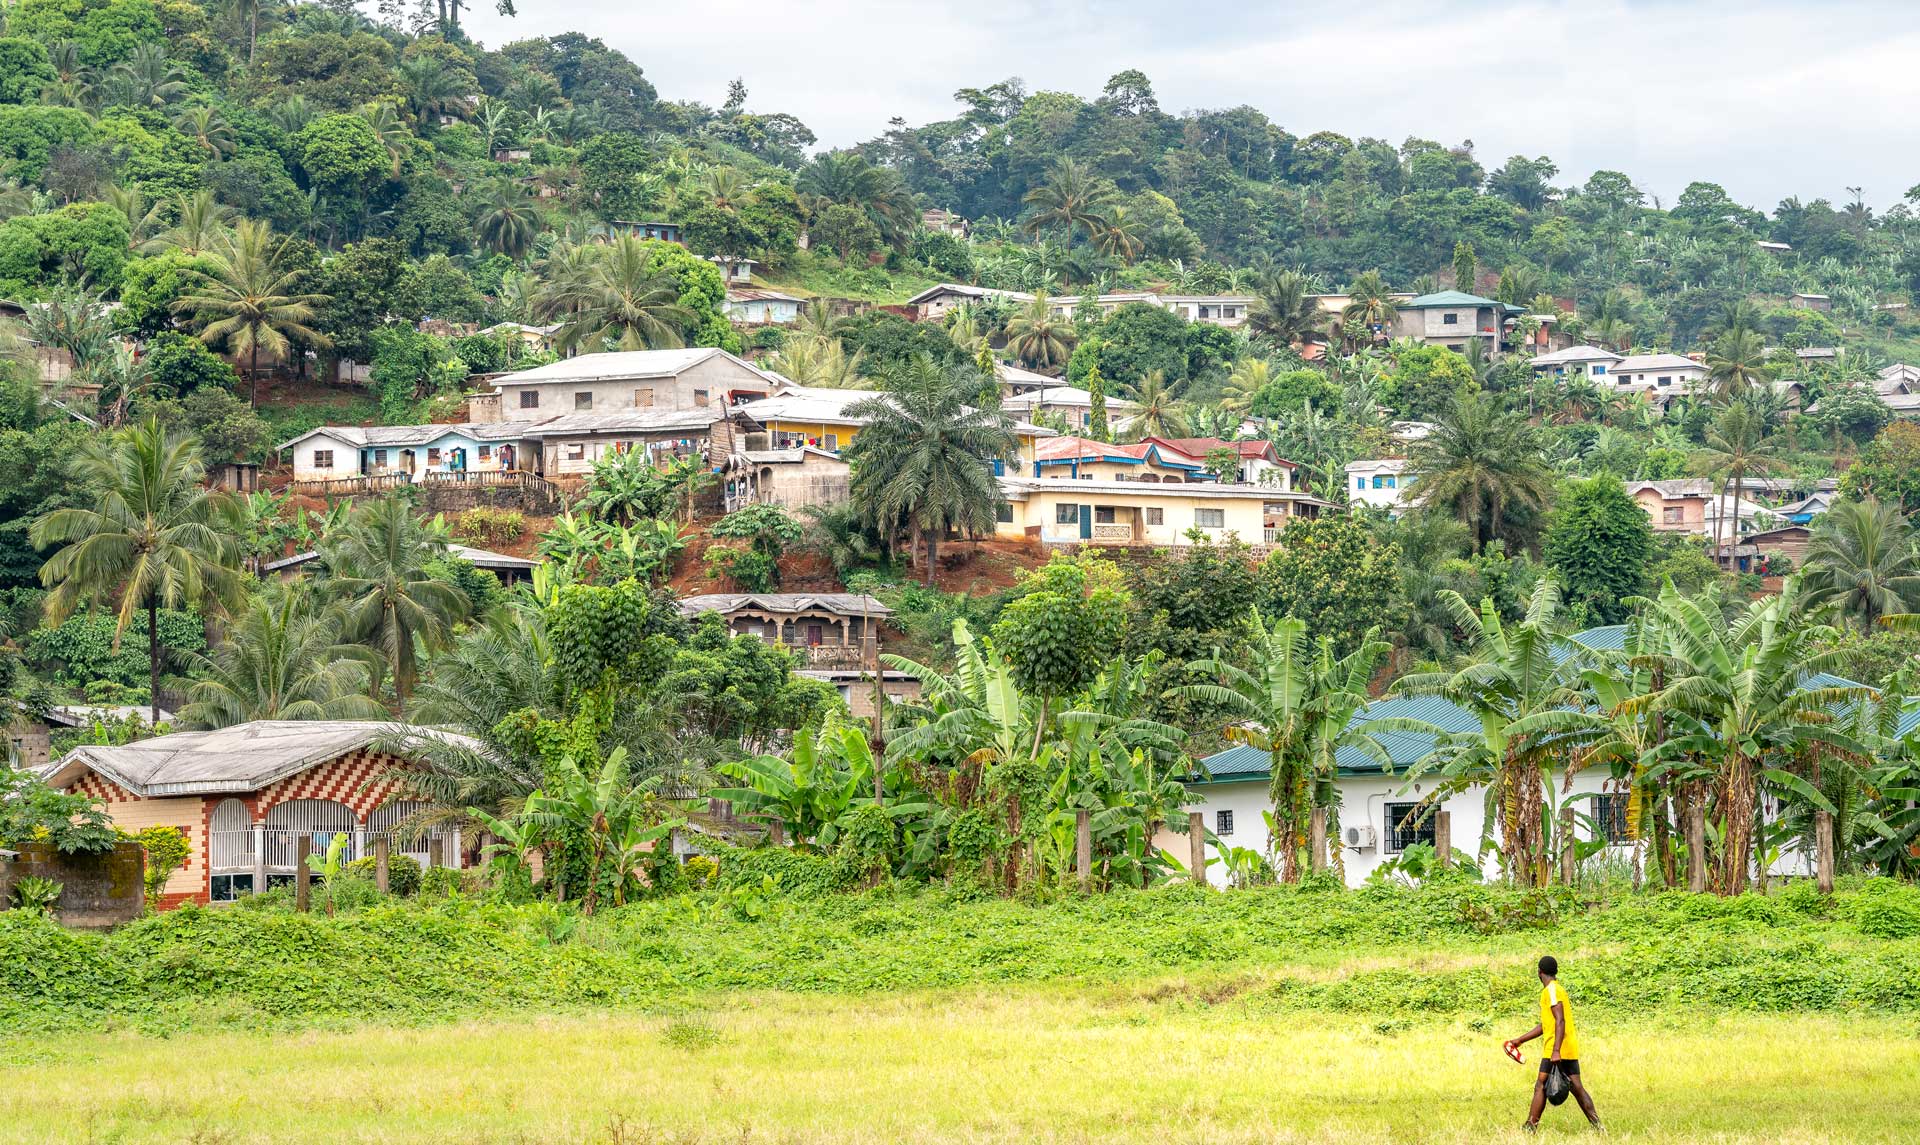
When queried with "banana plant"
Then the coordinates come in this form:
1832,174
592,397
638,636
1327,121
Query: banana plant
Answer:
614,818
330,866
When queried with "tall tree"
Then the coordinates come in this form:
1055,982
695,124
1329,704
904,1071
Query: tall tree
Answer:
280,661
155,536
1038,337
1738,445
1072,198
389,600
1863,562
923,462
1481,464
1284,309
1737,362
623,300
249,299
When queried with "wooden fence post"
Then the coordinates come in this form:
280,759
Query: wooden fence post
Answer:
1823,840
1696,844
1443,838
1197,846
302,888
381,852
436,853
1317,839
1083,847
1569,856
777,832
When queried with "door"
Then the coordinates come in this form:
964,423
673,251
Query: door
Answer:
816,635
1086,522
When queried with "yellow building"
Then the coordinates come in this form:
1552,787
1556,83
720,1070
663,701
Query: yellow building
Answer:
1065,511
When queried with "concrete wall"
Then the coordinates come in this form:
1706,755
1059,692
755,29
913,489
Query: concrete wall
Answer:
96,891
1692,515
188,813
715,377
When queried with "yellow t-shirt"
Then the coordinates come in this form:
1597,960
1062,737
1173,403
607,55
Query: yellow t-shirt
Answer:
1570,1048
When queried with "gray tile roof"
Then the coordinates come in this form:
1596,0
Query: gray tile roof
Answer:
839,603
231,760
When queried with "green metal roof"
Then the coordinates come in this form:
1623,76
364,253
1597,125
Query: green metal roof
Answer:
1447,298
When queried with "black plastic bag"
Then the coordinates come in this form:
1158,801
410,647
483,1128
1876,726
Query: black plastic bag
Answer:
1558,1087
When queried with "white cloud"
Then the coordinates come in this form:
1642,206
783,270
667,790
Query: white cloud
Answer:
1769,99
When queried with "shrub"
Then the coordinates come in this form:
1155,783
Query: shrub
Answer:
403,873
167,850
444,882
488,526
1888,910
795,873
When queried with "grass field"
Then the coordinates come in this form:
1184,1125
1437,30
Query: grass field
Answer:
1181,1060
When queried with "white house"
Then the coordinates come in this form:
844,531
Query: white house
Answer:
754,307
1578,362
1070,403
937,301
335,452
1381,482
692,378
734,271
1659,376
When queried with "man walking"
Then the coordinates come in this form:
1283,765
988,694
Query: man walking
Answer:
1563,1045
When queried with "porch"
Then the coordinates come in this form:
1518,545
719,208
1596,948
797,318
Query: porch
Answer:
245,856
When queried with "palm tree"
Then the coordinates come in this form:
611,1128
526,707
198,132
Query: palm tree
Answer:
1479,464
1157,412
1288,696
1072,198
1732,317
1038,337
290,114
147,78
924,460
430,88
1737,445
847,177
392,132
1514,671
1249,376
1862,561
1118,236
1285,309
248,11
390,602
1737,362
153,538
201,224
207,128
623,299
250,299
279,661
1369,307
509,221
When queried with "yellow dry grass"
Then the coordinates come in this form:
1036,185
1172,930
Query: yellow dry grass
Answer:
1183,1063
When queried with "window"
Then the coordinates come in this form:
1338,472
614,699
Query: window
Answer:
1672,515
1104,515
486,453
833,443
529,399
1209,518
1230,312
229,888
1223,822
643,398
1598,370
1610,818
1003,513
1156,516
1402,832
1379,481
1390,484
379,457
323,459
576,451
1086,476
433,457
1066,514
583,401
1456,347
1449,320
700,398
1360,483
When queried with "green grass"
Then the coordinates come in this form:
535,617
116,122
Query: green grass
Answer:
1174,1061
1169,1015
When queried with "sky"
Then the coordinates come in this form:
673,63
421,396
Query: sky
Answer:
1769,99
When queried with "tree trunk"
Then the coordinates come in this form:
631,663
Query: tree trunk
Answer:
1663,840
1736,827
153,660
1696,813
933,555
253,376
1823,842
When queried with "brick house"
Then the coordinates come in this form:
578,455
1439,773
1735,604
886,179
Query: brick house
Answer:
243,795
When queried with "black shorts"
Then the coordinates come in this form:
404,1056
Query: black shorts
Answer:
1568,1066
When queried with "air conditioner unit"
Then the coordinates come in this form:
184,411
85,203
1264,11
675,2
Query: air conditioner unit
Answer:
1360,838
